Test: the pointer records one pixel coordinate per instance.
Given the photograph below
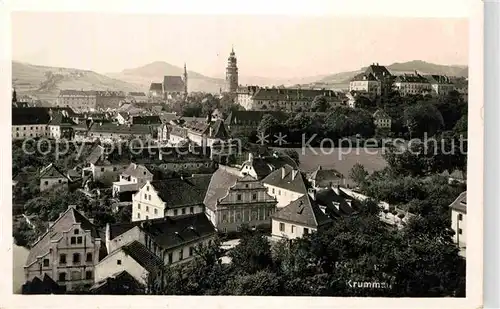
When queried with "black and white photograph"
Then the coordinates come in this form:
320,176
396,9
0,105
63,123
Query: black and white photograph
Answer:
241,154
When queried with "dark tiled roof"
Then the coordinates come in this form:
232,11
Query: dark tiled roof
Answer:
170,232
156,87
219,130
95,155
67,219
379,71
30,115
173,84
120,129
252,117
218,188
47,286
77,92
58,119
137,94
167,117
411,78
51,171
287,94
303,211
381,114
364,77
322,175
121,283
148,120
460,203
288,182
329,199
143,256
439,79
263,166
136,170
178,192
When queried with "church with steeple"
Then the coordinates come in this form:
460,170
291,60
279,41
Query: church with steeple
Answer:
231,85
172,86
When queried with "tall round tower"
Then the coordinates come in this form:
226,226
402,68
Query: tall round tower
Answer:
232,73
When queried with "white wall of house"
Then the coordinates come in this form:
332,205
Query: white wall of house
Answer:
29,131
283,196
282,229
194,209
118,261
98,171
54,131
58,261
459,226
146,204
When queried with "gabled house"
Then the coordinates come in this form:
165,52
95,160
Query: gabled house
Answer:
325,178
174,240
300,217
459,220
132,179
285,184
171,197
261,166
334,202
233,201
382,119
51,177
134,258
67,252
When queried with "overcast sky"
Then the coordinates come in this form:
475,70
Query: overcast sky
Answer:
267,46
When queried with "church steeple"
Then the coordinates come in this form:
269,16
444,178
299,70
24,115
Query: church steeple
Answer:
185,77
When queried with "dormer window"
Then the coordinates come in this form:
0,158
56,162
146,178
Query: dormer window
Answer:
77,231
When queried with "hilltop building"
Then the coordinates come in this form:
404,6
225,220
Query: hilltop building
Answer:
376,80
412,84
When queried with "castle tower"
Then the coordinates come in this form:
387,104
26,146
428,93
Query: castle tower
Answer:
232,73
185,77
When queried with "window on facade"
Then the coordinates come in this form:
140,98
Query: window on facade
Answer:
73,240
88,275
118,262
254,196
282,227
156,211
175,212
147,208
273,191
191,251
62,259
293,228
238,197
183,211
114,169
62,277
460,217
306,231
181,254
45,262
102,169
170,258
138,205
147,217
147,188
46,183
79,240
76,258
77,231
460,231
89,257
191,210
145,196
149,197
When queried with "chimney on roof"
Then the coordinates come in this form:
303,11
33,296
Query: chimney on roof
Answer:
294,173
312,193
250,156
283,173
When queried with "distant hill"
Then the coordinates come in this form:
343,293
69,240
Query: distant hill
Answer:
44,82
342,78
155,71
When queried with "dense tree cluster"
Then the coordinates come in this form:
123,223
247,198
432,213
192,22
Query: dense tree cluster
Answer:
199,104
